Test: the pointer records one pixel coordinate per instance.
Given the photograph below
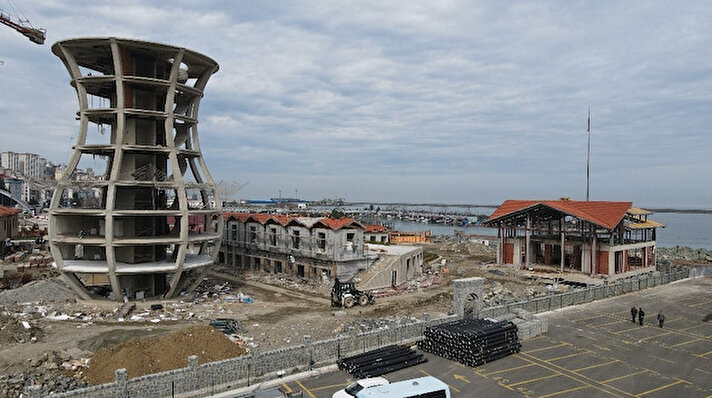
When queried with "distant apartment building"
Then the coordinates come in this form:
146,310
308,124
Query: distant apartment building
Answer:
305,247
29,164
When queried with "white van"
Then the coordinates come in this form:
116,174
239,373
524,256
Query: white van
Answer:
423,387
354,388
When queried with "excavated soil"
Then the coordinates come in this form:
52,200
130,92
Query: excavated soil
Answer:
143,356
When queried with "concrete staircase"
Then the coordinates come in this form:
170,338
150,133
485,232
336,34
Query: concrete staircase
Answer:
378,276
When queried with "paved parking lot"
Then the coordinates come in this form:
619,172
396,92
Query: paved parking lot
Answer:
591,350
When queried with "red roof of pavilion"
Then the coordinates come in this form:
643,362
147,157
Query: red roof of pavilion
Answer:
605,214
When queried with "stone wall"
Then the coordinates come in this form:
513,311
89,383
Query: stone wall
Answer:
209,378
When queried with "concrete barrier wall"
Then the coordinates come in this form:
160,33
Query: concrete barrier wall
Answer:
214,377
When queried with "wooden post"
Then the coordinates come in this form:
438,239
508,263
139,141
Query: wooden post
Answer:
527,241
594,248
501,244
562,228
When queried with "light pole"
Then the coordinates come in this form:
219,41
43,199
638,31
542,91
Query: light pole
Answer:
588,154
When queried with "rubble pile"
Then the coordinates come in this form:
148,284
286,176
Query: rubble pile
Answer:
684,253
498,293
361,325
143,356
45,290
472,249
53,371
321,287
13,331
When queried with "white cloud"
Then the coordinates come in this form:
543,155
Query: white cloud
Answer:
446,101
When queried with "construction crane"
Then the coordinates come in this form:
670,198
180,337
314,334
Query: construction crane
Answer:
23,26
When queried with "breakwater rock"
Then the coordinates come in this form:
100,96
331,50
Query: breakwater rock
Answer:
684,254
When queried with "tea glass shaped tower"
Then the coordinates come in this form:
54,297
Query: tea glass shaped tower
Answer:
136,213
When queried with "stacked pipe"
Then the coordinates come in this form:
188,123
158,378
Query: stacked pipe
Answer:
472,342
381,361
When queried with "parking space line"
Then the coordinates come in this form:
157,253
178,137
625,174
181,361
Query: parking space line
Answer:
329,386
691,327
607,323
703,371
305,389
661,388
428,374
602,348
627,330
580,378
287,388
496,380
699,304
589,318
624,376
547,348
507,370
537,379
655,336
596,366
705,354
563,392
569,356
685,342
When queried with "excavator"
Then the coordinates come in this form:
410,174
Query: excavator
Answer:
23,27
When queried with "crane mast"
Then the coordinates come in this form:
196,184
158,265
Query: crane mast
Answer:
35,35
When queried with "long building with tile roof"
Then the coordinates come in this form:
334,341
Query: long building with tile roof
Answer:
305,247
593,237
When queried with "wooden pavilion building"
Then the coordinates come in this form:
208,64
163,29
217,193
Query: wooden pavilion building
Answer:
593,237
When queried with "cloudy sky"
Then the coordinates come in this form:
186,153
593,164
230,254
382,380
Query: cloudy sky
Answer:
433,101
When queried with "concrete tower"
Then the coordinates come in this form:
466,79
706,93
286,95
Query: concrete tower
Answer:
150,221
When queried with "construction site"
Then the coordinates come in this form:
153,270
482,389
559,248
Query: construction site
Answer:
53,338
136,282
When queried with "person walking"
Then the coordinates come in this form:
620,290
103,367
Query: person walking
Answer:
633,313
661,319
641,314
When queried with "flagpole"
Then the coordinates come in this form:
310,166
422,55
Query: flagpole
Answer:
588,154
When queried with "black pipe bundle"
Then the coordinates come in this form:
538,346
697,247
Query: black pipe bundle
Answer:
381,361
472,342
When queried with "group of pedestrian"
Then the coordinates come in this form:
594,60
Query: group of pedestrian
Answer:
641,315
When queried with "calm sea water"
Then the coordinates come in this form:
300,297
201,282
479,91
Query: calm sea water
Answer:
694,230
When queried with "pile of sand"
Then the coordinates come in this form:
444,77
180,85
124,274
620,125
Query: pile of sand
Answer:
143,356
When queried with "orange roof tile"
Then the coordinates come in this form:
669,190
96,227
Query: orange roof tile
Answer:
8,211
279,219
240,216
282,219
605,214
338,223
373,228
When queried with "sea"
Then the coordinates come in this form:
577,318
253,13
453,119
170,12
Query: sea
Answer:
681,229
